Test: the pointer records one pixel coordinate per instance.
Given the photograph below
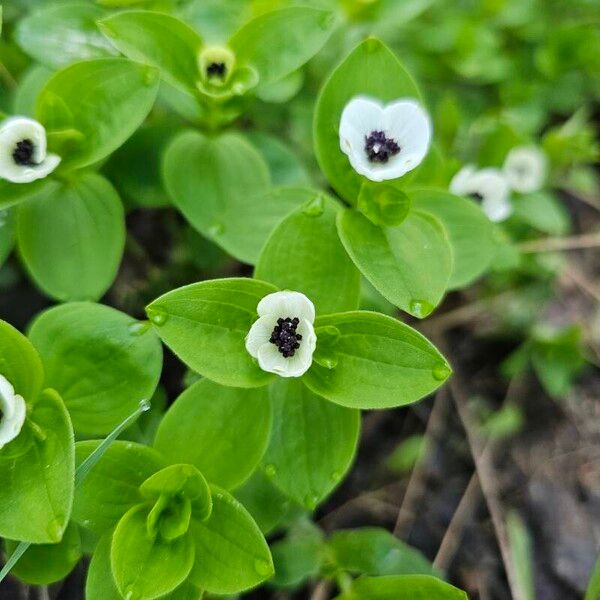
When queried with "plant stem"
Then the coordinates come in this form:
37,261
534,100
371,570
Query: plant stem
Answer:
587,240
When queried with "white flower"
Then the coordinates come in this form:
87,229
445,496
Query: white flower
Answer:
12,412
23,155
488,186
283,338
384,141
525,169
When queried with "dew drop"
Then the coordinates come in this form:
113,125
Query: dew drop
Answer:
310,501
441,372
138,328
55,530
158,317
270,470
315,207
145,405
262,567
150,76
336,476
216,229
327,20
420,308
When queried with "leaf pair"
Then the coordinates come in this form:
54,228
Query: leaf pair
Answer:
262,52
168,527
369,354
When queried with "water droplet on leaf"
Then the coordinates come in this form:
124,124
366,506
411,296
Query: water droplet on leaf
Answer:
441,372
315,207
158,317
310,501
420,308
55,530
336,476
262,567
145,405
270,470
139,327
216,229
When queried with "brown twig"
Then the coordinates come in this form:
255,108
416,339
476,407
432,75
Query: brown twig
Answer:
321,591
487,478
587,240
416,483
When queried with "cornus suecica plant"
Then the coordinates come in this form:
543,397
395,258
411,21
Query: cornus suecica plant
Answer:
174,114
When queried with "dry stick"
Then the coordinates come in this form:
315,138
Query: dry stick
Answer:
470,499
589,200
462,515
582,282
487,478
587,240
321,591
416,483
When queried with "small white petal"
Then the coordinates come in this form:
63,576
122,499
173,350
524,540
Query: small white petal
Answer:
287,304
489,185
404,120
13,410
460,182
260,333
525,169
14,130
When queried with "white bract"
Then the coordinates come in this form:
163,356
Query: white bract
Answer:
384,141
12,412
525,169
23,156
283,338
488,186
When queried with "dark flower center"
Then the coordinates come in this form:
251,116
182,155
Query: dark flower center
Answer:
23,153
379,148
284,336
476,196
216,69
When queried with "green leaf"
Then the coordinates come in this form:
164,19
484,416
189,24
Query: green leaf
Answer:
134,168
112,486
279,42
222,431
375,361
383,204
267,505
402,587
37,484
99,103
71,237
231,552
470,232
7,234
159,40
521,549
544,211
237,210
144,566
371,69
299,556
12,194
410,265
100,583
206,325
285,167
304,253
43,564
59,35
30,85
101,361
312,444
375,551
20,363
